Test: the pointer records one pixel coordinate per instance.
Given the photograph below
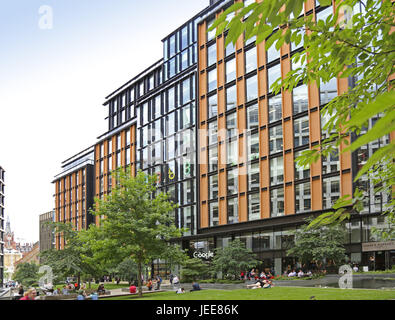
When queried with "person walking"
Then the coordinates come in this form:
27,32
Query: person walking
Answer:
158,282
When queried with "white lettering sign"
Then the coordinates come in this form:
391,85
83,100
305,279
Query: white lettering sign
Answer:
203,255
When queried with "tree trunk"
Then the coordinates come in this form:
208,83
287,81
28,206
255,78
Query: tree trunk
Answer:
139,279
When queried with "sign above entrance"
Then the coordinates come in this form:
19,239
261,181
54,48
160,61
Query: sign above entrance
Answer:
378,246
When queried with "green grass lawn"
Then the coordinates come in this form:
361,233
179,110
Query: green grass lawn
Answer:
276,293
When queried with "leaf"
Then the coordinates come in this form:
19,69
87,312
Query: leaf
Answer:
325,3
367,111
383,127
375,158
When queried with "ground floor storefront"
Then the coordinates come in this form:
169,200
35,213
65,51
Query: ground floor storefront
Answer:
270,240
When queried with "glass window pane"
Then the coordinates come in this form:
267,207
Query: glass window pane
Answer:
301,132
212,106
253,176
233,210
303,197
276,139
275,108
230,70
212,54
212,80
274,73
253,117
254,207
251,60
233,181
277,202
231,98
301,99
277,171
251,88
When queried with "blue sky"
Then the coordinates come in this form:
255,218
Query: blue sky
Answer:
53,84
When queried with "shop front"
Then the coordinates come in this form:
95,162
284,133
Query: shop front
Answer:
378,255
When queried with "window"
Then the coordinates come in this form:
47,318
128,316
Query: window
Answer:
251,88
231,125
213,158
301,132
231,98
233,181
275,108
273,74
251,60
213,187
187,192
171,99
277,202
233,211
331,191
170,147
253,146
301,99
214,214
170,124
273,54
276,171
212,80
303,197
184,38
127,134
186,91
186,117
156,153
210,34
254,207
212,106
328,91
127,158
230,70
158,107
230,49
253,176
276,139
253,117
300,172
331,163
212,133
232,153
212,54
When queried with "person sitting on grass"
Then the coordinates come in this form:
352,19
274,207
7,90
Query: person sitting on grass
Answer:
292,274
132,289
101,290
267,284
195,287
180,290
257,285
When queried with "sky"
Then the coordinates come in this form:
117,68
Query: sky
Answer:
59,59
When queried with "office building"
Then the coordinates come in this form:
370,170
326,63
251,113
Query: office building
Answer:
205,121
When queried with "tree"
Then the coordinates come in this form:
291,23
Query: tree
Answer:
319,244
134,223
194,269
359,48
70,260
127,269
27,274
233,259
